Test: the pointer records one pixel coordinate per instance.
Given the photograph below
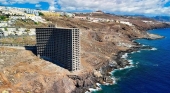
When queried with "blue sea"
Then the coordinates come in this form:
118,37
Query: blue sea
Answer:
151,69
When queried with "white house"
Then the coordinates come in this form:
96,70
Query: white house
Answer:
3,24
126,23
32,32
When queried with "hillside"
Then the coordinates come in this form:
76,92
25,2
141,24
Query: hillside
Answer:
101,42
162,18
28,24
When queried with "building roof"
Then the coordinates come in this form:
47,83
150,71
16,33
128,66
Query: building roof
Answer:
57,28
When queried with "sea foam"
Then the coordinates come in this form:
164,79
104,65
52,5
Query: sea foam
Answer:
139,51
154,49
125,55
92,89
113,78
144,45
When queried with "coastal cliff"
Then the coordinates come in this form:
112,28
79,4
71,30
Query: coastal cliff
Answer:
102,45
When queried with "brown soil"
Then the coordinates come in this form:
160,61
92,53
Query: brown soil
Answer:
22,72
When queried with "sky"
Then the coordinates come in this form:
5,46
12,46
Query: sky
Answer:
124,7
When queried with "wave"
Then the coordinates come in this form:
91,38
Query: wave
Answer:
133,52
137,63
125,55
114,80
145,45
92,89
138,51
126,67
154,49
130,62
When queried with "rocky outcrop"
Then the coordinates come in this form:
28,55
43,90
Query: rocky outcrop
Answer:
64,85
154,36
84,82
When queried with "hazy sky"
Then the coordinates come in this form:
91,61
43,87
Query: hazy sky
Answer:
145,7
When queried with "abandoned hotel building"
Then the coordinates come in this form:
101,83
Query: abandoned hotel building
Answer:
60,45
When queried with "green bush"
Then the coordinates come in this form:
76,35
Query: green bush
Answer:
5,29
36,23
3,18
41,14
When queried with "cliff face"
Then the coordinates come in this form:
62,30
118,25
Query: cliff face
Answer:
100,43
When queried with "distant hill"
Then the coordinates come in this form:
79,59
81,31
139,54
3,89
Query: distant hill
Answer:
162,18
158,18
136,15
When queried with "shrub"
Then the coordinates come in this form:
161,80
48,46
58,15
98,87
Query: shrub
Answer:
41,14
5,29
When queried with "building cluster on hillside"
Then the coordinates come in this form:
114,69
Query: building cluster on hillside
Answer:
149,22
13,13
18,11
126,23
21,13
58,14
97,20
94,19
91,18
33,14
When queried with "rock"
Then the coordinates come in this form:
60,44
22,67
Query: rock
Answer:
79,83
5,91
1,60
154,36
64,85
97,74
87,83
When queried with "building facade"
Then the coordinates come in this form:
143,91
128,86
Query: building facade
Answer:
59,45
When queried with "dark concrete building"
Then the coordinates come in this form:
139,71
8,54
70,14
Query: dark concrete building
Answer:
60,45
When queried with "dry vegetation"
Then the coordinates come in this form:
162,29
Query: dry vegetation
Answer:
19,40
22,72
29,24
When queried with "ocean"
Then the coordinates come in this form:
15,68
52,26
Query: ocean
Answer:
150,72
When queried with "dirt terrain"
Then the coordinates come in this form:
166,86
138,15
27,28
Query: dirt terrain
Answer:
23,72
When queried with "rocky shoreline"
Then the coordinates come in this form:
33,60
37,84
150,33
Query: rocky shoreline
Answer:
104,43
117,63
103,49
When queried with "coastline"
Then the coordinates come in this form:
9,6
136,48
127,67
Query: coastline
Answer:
123,62
106,49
